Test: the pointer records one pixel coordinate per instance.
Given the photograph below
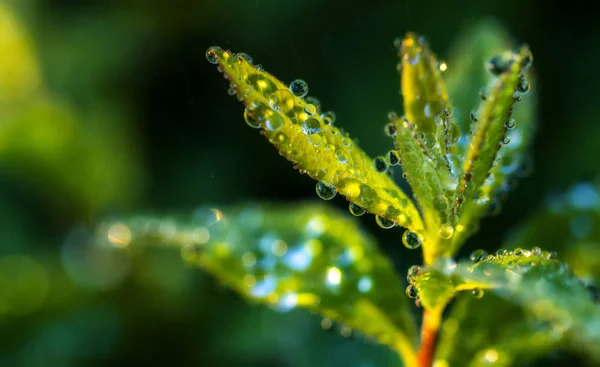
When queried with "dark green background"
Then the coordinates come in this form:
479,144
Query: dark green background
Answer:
147,57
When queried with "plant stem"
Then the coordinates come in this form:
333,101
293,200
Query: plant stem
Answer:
429,330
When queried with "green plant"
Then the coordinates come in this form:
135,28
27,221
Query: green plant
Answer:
309,255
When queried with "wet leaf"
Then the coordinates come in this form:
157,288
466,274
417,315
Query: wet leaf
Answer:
312,142
568,224
544,287
425,137
493,331
307,256
484,176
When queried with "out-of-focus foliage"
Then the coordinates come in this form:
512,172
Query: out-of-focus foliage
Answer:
45,139
568,224
307,256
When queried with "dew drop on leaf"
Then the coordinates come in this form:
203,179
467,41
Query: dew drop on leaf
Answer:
384,223
325,191
411,291
446,231
393,157
523,86
212,54
478,255
499,64
250,120
536,251
389,129
473,116
380,164
412,273
311,126
299,88
245,56
314,101
477,293
356,210
411,240
328,117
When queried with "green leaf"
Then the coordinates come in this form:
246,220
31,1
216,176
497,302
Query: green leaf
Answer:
307,256
570,225
491,330
544,287
484,176
309,139
425,139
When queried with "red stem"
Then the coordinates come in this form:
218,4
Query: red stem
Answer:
429,329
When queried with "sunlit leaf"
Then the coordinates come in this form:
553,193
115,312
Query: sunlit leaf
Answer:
308,138
543,286
306,256
424,138
485,176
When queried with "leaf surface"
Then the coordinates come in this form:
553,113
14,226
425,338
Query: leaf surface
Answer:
307,256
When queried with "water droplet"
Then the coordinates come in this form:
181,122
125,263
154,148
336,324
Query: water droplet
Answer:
453,133
356,210
501,252
527,59
506,140
477,293
299,88
274,122
443,66
448,111
411,291
412,273
342,157
314,101
473,116
311,126
536,251
250,119
446,231
328,117
427,110
478,255
245,56
380,164
482,94
499,64
393,157
212,54
325,191
523,86
411,240
510,124
440,203
281,100
390,129
384,223
518,251
310,109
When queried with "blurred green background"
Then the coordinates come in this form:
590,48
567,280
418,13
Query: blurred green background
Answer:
110,107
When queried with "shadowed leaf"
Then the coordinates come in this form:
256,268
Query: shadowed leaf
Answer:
545,288
484,174
493,331
307,256
309,139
